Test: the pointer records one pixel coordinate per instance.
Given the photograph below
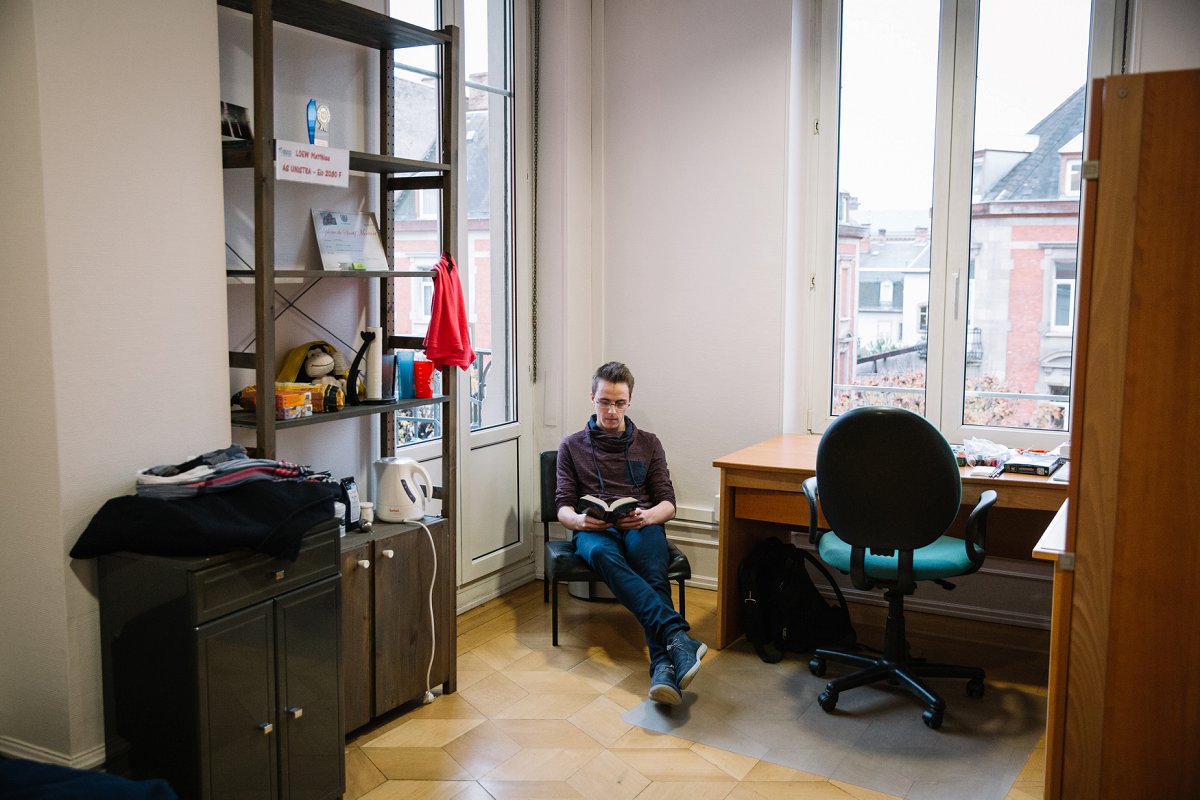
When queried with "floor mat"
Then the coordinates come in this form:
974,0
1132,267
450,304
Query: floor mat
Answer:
875,738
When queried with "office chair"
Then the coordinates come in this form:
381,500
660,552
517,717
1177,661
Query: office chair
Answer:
889,486
563,565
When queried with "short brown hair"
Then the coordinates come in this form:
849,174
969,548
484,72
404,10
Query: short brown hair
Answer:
613,372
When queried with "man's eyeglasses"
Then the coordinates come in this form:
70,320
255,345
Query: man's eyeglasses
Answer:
619,405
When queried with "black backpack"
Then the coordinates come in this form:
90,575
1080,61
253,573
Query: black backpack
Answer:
782,611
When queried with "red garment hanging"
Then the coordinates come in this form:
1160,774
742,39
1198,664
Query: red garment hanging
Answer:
448,340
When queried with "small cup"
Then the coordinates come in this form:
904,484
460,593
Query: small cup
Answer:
404,373
366,512
423,379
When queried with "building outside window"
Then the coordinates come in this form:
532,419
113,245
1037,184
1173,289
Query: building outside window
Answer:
958,144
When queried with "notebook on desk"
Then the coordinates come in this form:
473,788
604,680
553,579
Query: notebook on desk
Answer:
1034,464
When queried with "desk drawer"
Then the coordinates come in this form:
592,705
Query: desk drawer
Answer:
225,588
765,505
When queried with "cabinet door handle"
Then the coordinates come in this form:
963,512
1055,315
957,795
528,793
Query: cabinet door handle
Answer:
389,553
295,712
364,563
266,728
279,574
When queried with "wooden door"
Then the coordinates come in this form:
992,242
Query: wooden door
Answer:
357,651
403,567
237,714
311,744
1130,691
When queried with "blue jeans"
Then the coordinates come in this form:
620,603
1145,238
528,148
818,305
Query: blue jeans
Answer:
634,565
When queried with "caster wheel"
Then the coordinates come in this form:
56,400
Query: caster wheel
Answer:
827,701
932,719
975,688
817,667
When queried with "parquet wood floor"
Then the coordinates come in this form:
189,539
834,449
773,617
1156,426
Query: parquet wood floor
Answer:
534,721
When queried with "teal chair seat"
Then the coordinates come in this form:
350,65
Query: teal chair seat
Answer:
945,558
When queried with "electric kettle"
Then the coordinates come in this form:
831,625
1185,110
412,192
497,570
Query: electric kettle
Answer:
399,498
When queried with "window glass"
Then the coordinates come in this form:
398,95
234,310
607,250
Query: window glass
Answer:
1029,114
885,196
487,30
417,93
486,264
957,186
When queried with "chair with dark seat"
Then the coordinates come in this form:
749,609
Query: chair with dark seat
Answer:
890,488
564,566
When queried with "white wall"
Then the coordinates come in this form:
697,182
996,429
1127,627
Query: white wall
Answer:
695,111
569,303
687,177
113,310
1165,35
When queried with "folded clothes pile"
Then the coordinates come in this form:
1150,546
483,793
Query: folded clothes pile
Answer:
216,502
216,471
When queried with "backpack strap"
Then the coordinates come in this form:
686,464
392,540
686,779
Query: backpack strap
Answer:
837,590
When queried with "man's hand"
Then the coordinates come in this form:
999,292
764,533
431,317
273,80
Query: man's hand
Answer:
641,517
632,521
577,521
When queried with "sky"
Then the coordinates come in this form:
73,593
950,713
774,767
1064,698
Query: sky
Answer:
424,13
1033,55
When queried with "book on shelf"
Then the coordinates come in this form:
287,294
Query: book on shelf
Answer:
1034,463
609,512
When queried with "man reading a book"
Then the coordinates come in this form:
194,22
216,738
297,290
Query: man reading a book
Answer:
610,459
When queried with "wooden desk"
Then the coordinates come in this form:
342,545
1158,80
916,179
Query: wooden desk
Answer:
1053,547
761,484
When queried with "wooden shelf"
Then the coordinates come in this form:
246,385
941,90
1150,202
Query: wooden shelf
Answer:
318,274
240,155
245,419
347,22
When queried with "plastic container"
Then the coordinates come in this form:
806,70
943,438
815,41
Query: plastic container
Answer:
339,510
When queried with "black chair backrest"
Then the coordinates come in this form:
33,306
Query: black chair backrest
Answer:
549,485
887,479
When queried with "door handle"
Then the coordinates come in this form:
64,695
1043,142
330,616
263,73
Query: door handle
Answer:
389,553
295,712
266,728
364,563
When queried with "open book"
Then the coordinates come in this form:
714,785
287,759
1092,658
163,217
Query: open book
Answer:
609,512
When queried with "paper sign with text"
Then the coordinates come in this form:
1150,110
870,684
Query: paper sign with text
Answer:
306,163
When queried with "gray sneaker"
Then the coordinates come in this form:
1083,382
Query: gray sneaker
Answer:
685,653
663,688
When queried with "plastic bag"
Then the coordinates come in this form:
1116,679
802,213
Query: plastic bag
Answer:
978,452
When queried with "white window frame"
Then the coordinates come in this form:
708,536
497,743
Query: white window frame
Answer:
1072,182
1055,282
949,278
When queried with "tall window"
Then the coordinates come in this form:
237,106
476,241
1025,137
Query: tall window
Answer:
488,44
959,134
486,262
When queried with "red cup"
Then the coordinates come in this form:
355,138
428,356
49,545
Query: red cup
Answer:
423,378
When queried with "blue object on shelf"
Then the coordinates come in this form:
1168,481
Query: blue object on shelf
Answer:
404,374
